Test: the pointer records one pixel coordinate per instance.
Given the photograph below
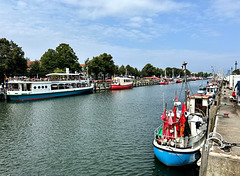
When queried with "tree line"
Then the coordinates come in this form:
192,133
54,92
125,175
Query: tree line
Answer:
13,63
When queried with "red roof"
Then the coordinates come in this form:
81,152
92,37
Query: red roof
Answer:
108,80
31,62
151,77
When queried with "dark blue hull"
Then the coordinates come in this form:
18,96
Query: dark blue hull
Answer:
28,97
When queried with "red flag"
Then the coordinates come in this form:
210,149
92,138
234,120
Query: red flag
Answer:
176,99
163,115
184,109
170,121
175,114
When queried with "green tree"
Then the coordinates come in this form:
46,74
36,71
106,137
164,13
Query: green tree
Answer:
148,70
159,72
116,70
130,70
35,69
63,57
49,60
12,61
136,72
122,70
236,72
66,58
102,64
58,70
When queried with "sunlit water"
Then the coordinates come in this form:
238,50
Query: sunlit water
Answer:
107,133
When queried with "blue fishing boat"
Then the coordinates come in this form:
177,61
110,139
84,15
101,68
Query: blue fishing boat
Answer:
53,86
174,149
178,140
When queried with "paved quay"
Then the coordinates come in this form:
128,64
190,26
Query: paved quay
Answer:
224,159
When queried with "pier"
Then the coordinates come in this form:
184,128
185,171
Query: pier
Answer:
102,86
221,154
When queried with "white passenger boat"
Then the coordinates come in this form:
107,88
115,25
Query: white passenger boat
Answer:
53,86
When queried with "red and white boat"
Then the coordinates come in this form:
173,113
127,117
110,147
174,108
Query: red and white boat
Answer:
120,83
164,81
194,79
178,81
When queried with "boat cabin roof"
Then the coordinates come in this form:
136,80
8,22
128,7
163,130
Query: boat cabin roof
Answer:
200,96
63,74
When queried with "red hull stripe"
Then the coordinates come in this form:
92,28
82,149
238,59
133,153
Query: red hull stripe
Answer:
120,87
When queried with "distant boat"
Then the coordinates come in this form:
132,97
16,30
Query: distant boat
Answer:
178,81
120,83
55,85
164,81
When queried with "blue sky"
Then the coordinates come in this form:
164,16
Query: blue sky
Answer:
136,32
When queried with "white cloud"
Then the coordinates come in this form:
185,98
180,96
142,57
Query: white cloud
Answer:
226,9
95,9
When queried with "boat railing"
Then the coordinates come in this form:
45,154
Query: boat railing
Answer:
42,79
179,142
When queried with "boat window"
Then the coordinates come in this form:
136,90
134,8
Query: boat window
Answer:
42,87
54,87
67,86
39,87
46,87
13,86
34,87
29,87
61,86
73,85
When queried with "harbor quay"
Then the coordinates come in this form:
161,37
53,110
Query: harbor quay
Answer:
221,153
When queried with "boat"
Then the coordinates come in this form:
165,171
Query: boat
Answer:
53,86
120,83
164,81
178,81
201,90
212,88
178,140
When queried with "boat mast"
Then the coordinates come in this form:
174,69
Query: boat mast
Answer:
185,74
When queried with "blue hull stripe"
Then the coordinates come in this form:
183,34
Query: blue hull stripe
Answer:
49,95
175,158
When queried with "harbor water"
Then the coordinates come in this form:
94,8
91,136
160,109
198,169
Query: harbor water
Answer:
107,133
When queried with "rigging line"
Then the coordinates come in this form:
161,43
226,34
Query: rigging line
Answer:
181,91
190,88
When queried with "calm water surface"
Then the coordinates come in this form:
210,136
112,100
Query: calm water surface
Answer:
108,133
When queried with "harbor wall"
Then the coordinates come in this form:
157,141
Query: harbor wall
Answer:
222,159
